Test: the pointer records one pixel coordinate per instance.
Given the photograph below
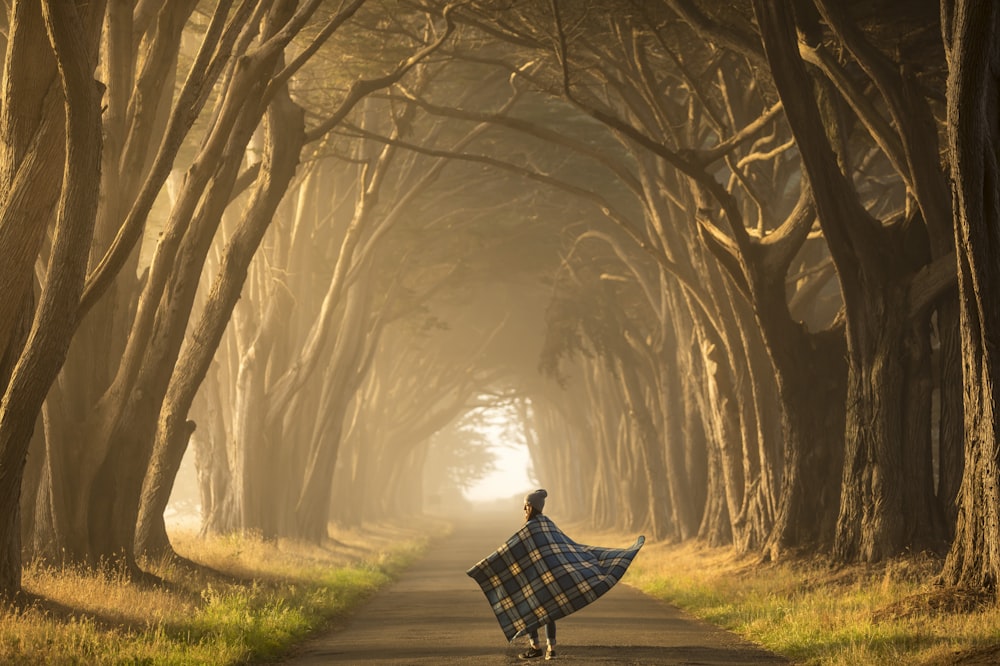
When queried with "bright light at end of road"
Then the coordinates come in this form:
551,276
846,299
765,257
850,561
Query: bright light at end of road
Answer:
510,476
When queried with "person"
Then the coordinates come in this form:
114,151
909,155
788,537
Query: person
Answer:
534,502
540,575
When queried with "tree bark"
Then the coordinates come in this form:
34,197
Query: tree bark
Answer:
31,159
973,96
55,319
873,523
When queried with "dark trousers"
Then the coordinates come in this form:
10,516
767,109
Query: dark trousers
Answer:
550,634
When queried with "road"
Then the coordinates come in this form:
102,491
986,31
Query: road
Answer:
435,614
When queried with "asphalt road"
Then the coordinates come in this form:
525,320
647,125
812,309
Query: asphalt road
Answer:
435,614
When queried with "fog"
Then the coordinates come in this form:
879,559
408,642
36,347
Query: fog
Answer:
511,475
356,264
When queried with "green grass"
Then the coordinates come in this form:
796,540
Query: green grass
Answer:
252,601
814,613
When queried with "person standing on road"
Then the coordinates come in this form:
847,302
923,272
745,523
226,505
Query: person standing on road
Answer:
534,502
540,575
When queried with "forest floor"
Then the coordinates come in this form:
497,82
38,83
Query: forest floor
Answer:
435,614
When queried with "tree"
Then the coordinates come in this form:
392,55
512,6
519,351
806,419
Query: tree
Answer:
55,318
973,47
886,300
286,137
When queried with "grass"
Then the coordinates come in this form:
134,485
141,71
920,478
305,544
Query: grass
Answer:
250,600
814,613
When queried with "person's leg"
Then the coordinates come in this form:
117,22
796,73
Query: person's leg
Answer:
550,633
533,649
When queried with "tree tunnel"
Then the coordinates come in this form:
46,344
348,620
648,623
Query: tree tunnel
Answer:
481,458
703,254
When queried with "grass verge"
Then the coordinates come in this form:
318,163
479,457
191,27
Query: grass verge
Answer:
248,600
814,613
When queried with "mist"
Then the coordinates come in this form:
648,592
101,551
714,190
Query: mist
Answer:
315,266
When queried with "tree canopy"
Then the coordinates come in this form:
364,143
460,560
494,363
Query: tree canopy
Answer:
727,265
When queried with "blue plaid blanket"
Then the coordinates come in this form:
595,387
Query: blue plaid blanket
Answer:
540,575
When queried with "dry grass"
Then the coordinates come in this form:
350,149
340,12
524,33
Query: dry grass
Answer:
247,599
813,613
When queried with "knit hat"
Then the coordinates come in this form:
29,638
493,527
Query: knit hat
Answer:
536,499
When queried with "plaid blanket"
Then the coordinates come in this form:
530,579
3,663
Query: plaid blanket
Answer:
540,575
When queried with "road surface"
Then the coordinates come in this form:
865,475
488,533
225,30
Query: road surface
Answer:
435,614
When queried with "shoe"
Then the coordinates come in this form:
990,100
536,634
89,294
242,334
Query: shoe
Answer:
550,653
530,653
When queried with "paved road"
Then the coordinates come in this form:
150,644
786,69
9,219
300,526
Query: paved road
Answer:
435,614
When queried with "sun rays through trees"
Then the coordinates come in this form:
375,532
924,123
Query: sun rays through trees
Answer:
723,272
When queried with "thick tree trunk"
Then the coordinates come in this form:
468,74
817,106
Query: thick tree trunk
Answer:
917,160
811,376
887,495
56,318
100,340
870,527
873,523
137,107
151,540
134,419
973,39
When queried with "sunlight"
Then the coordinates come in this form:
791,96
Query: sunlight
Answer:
511,476
503,431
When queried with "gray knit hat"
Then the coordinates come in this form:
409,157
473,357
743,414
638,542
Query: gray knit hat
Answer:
536,499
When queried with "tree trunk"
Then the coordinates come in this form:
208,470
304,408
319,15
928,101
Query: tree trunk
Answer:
56,317
653,471
887,496
876,292
341,379
99,343
716,527
723,498
950,428
31,159
669,392
973,39
811,376
138,103
134,415
212,446
285,136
